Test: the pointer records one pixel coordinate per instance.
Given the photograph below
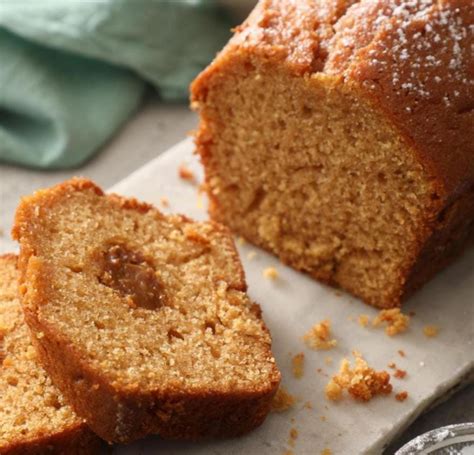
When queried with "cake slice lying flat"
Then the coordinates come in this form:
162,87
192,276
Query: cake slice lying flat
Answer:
142,318
33,416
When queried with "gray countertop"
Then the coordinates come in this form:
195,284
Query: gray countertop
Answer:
169,124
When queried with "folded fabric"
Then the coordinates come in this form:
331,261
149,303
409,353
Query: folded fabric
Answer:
71,72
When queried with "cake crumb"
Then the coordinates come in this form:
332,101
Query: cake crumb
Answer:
430,331
297,363
195,236
328,360
400,374
186,174
402,396
392,365
323,418
363,320
326,451
396,322
293,437
30,353
251,255
319,336
7,362
4,329
271,273
164,201
401,353
282,400
308,405
361,382
333,391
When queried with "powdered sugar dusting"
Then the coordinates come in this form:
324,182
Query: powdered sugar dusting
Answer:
415,41
447,440
442,435
422,14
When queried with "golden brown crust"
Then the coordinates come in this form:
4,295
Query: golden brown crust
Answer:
9,258
424,92
374,45
172,414
28,206
120,413
74,441
75,438
451,233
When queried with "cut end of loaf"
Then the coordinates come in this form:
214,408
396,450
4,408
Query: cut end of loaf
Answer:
303,167
338,135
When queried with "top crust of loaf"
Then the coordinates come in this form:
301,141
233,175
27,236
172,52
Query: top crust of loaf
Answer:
50,425
426,90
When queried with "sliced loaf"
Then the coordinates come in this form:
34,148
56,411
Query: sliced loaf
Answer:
143,319
34,418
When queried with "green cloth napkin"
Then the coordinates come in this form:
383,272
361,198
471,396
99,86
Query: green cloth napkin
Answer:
72,71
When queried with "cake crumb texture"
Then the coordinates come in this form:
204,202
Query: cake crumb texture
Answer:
337,134
150,311
401,396
186,174
271,273
395,321
251,255
34,417
319,336
430,331
361,381
363,320
297,364
293,436
399,374
283,400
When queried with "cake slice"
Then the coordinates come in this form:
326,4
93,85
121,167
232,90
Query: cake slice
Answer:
34,419
338,134
142,319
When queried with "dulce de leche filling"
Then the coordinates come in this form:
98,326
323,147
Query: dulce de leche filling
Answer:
129,273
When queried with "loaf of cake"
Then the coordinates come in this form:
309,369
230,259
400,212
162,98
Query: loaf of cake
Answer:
142,320
339,135
34,418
